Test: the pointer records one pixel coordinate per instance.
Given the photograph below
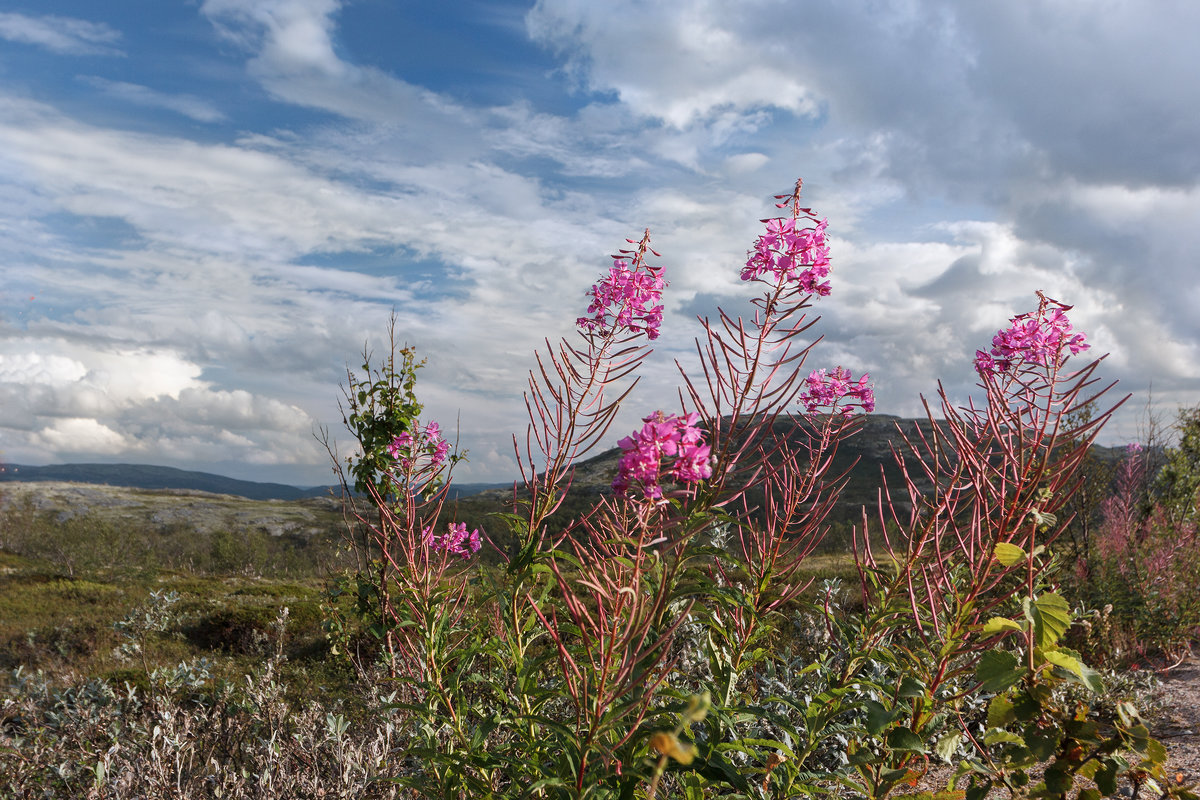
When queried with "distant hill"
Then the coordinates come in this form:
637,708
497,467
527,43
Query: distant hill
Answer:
867,456
870,448
146,476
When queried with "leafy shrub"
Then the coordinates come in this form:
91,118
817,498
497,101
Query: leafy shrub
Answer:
242,629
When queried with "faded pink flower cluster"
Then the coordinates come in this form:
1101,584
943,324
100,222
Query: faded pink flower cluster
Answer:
663,436
791,255
407,450
1036,337
630,297
455,541
827,390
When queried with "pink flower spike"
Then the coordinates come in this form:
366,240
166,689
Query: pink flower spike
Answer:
1040,338
627,299
829,391
662,437
785,254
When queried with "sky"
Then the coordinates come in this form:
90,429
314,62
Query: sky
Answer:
208,208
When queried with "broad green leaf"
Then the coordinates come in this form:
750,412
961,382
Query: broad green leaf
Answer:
1051,618
1155,752
1000,712
879,717
1042,742
904,739
1058,779
1068,660
1063,659
998,736
998,670
1009,554
1106,776
911,687
947,746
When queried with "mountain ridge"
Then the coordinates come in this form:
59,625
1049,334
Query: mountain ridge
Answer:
871,447
149,476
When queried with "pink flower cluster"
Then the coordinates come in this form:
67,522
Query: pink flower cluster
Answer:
791,255
828,390
663,436
630,297
407,450
1036,337
455,541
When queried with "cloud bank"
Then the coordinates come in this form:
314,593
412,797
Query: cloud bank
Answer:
191,259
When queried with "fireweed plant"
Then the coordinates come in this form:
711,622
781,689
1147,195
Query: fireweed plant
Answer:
649,646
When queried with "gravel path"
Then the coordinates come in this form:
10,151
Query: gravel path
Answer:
1178,727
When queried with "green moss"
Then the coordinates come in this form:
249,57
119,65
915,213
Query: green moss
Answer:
278,590
83,590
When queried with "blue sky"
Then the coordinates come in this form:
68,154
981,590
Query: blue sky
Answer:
206,208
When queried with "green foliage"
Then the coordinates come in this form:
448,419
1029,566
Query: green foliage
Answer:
380,404
1145,555
1178,482
231,552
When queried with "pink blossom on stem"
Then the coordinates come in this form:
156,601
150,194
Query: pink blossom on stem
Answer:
456,540
627,299
831,390
663,436
791,255
1039,337
401,448
406,449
